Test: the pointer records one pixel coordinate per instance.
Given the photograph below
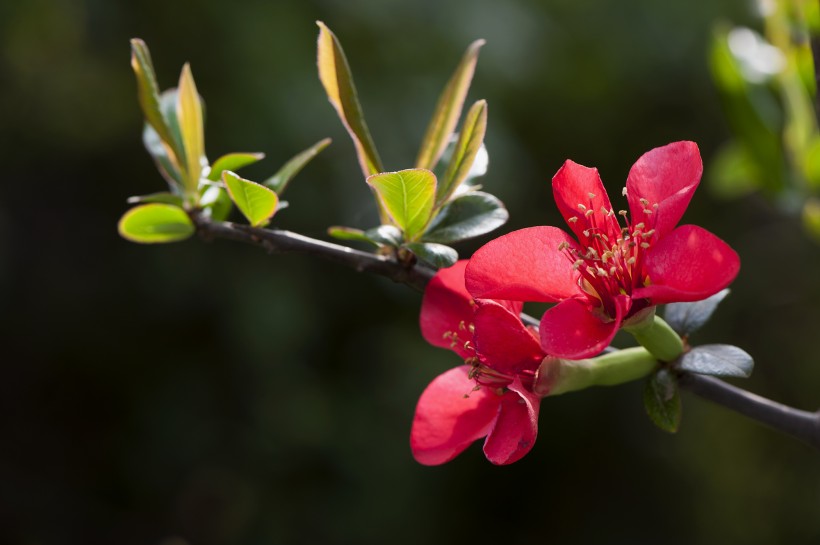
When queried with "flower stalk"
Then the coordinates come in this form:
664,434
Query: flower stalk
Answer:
558,376
658,337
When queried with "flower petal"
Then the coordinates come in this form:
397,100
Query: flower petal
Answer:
666,176
514,432
524,265
688,264
577,190
447,305
502,341
450,416
573,331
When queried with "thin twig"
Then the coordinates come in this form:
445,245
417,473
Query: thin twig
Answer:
801,425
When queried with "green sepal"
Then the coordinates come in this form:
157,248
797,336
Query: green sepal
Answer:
155,224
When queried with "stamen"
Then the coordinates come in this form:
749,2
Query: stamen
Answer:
644,202
622,213
563,246
591,195
631,260
644,245
573,219
588,213
647,211
623,191
577,264
582,207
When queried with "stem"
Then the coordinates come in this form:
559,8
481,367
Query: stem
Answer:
801,425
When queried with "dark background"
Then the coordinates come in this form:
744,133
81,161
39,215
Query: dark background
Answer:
208,393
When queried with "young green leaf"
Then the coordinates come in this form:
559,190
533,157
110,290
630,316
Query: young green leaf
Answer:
233,162
437,255
448,109
191,126
470,215
162,197
407,196
662,400
155,223
383,235
255,201
147,87
163,156
334,72
216,203
464,154
279,181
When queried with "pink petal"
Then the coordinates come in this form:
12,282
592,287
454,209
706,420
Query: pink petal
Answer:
502,341
447,422
446,309
573,331
524,265
688,264
667,176
572,186
516,427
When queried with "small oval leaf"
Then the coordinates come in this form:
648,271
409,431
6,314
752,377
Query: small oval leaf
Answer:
232,162
470,215
686,318
407,196
155,223
437,255
256,202
720,360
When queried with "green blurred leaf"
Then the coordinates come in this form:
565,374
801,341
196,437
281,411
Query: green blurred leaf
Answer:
255,201
437,255
232,162
159,151
469,142
383,235
470,215
156,223
191,126
163,197
334,72
662,400
215,203
407,196
722,360
811,218
811,163
448,109
349,233
279,181
732,173
147,87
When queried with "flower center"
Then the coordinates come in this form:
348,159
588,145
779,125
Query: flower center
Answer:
610,260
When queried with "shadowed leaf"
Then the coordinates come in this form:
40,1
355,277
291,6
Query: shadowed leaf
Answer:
686,318
470,215
437,255
721,360
662,400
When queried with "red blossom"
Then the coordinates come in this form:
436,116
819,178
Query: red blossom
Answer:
617,267
491,394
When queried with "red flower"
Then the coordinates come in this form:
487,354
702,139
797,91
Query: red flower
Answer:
491,394
613,270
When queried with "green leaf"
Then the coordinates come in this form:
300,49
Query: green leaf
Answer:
811,218
334,72
470,215
437,255
448,109
147,87
162,197
215,203
163,158
464,154
722,360
662,400
191,126
279,181
407,196
686,318
232,162
383,235
255,201
156,223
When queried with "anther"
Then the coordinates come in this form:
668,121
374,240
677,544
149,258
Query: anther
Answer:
631,260
563,246
582,207
644,245
573,219
591,195
647,211
591,271
588,213
471,328
623,191
586,232
577,264
641,226
622,213
644,202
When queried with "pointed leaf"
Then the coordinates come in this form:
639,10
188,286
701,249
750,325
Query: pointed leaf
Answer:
662,400
470,215
162,154
255,201
279,181
156,223
349,233
722,360
448,109
686,318
189,114
407,196
162,197
334,72
464,154
232,162
437,255
147,87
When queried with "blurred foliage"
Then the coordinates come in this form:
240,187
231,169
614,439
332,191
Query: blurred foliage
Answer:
211,394
768,86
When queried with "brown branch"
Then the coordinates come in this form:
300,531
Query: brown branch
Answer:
801,425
